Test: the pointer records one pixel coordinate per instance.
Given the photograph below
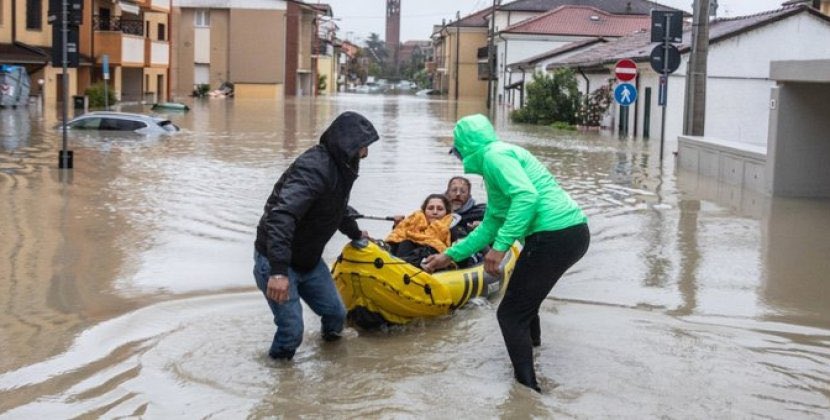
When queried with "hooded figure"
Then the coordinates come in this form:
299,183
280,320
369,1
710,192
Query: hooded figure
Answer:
307,205
524,203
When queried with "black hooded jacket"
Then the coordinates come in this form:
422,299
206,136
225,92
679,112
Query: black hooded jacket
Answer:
309,201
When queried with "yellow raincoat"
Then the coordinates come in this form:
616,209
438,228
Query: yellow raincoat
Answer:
416,229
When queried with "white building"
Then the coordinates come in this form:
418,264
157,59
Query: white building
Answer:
738,76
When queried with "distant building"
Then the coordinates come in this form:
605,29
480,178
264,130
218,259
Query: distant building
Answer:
455,69
410,48
221,41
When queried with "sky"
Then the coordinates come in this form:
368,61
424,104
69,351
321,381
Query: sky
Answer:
358,18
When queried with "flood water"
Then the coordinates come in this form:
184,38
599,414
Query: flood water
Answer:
126,287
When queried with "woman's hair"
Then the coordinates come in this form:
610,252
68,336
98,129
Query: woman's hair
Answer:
441,197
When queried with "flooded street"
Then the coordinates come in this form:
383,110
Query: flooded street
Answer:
126,287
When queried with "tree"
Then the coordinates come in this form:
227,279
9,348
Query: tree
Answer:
550,99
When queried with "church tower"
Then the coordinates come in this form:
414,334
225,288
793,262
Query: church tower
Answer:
393,29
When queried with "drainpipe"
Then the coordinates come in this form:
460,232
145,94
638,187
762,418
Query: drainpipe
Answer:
522,91
587,83
457,48
505,54
14,21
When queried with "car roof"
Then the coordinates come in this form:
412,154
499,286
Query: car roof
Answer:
121,115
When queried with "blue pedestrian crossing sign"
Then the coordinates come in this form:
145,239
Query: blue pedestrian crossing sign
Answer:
625,94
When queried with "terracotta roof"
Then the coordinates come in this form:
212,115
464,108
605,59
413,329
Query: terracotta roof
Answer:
618,7
581,21
638,47
475,19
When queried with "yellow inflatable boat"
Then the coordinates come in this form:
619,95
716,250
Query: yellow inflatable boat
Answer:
378,288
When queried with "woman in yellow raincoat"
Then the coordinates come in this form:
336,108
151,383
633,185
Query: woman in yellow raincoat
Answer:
424,232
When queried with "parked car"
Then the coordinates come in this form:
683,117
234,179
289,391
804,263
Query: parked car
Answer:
122,121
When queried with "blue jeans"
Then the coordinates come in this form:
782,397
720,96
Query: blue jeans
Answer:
316,288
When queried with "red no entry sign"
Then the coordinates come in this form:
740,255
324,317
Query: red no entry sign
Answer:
625,70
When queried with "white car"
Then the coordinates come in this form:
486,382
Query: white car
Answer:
121,121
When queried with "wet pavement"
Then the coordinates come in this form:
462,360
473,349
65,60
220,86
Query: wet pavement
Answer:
126,287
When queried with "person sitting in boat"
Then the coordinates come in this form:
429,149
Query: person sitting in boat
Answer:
463,204
424,232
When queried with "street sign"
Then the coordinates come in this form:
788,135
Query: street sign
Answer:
658,26
625,94
106,66
659,55
662,94
625,70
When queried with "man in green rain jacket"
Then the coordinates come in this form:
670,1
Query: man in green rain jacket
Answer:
524,203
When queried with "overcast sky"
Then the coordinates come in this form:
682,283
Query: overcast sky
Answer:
357,18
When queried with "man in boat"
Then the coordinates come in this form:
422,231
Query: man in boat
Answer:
463,204
307,205
525,203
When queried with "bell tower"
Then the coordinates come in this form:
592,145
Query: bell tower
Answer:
393,30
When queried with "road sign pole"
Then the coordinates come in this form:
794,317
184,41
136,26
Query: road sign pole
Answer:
106,71
65,158
665,85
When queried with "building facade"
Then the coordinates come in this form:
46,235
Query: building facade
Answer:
221,41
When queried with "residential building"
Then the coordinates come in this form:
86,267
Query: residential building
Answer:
135,38
301,35
326,51
550,31
26,40
219,41
457,45
526,28
738,123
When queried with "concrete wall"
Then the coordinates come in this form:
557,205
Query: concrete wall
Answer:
799,140
737,164
471,39
220,20
511,49
251,59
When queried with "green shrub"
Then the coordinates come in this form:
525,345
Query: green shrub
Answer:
321,82
550,98
95,92
559,125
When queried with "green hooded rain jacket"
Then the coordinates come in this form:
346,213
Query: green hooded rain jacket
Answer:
522,196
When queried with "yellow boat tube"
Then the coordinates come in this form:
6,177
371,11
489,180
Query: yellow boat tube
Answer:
375,284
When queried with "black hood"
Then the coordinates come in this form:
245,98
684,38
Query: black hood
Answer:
345,136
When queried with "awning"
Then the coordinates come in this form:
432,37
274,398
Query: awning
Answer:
15,54
127,7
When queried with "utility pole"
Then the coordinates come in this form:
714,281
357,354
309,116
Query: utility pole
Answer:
491,55
694,113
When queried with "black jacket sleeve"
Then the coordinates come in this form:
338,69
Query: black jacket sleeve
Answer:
348,226
303,185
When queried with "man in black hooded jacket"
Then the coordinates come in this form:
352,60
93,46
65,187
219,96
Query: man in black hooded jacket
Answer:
308,204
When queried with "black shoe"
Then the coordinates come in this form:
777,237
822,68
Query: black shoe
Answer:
286,355
332,336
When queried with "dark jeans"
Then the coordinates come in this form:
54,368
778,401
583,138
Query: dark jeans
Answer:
317,289
545,258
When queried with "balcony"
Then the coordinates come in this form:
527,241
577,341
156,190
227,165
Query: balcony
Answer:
121,39
156,53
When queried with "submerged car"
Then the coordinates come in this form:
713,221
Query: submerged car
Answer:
122,121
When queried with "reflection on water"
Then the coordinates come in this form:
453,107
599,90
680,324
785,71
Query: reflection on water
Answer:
127,288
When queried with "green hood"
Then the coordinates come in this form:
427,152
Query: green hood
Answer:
472,135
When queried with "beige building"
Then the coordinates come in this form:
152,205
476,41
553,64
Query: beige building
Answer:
456,69
205,30
136,38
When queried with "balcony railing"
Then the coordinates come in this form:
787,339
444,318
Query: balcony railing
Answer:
117,24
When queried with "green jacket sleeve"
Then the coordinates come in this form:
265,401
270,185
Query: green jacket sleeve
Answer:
477,239
505,173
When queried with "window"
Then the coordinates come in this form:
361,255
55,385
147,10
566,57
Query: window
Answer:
162,32
121,125
86,124
201,74
202,18
33,14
